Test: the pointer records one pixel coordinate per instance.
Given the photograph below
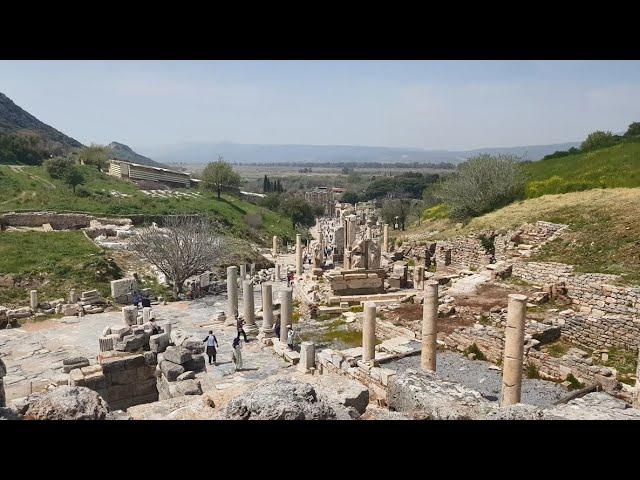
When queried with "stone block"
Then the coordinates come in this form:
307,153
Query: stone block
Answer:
197,364
179,355
158,343
170,370
69,309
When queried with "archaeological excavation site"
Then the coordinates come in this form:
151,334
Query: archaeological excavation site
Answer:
349,323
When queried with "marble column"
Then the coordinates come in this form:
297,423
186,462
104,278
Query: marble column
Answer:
385,237
513,350
249,309
307,356
33,299
429,327
286,312
232,295
369,332
243,272
298,254
266,331
278,274
73,296
274,248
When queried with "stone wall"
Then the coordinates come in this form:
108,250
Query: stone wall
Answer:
356,281
602,332
607,315
59,221
490,341
123,379
462,252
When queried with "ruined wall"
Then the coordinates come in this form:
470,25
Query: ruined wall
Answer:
462,252
607,315
59,221
122,379
602,332
490,341
356,282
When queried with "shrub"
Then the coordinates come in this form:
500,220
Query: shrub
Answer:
473,348
598,139
482,184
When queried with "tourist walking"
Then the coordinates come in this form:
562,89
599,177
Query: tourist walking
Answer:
290,337
240,327
212,343
237,353
276,329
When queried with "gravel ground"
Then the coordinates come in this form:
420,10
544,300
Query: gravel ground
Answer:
477,375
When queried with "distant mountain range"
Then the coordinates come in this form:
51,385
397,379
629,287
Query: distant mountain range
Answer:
121,151
14,119
197,153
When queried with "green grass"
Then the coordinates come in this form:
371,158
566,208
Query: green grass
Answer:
30,188
613,167
52,263
473,348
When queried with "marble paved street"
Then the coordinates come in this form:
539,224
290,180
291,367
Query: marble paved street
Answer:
34,353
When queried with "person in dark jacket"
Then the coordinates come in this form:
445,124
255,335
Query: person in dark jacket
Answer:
146,302
212,343
276,329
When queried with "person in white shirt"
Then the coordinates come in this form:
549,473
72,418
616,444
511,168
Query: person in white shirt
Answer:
212,343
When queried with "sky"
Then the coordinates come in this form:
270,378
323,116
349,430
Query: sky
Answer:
452,105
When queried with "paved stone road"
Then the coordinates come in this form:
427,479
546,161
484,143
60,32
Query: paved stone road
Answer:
34,353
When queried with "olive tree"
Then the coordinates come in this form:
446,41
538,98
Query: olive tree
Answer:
219,176
481,184
183,247
97,155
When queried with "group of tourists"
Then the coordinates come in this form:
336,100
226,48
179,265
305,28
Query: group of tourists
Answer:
212,345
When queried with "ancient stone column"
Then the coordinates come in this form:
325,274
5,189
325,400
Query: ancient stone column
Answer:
166,326
307,356
278,275
232,294
243,272
267,311
249,307
106,343
33,299
369,235
286,312
130,315
369,332
73,296
252,269
146,314
385,237
513,350
274,249
298,254
429,327
418,277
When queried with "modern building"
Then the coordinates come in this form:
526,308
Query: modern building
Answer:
135,171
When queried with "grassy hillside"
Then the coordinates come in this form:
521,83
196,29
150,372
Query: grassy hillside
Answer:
52,263
616,166
604,232
30,188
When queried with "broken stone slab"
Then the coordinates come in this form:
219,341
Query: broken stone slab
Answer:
429,397
190,375
69,364
158,343
177,354
170,370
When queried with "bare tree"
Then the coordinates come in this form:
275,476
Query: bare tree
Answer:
185,246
